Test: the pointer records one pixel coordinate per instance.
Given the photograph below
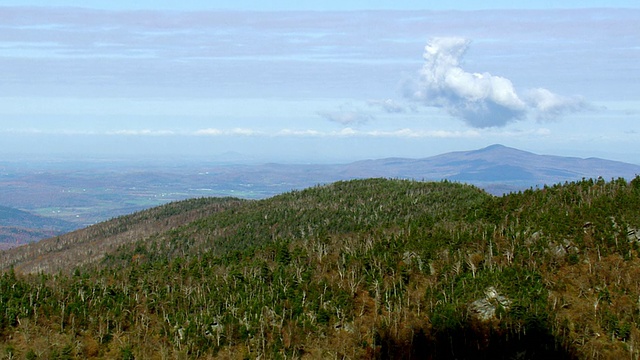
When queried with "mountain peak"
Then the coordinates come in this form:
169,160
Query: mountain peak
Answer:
495,148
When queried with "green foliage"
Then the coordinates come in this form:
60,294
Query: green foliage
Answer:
126,353
362,268
31,355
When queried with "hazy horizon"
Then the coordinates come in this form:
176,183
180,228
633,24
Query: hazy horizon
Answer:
337,82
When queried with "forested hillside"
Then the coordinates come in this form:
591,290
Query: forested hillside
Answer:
359,269
90,245
19,227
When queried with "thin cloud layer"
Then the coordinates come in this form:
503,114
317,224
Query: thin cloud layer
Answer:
249,132
480,99
347,114
390,106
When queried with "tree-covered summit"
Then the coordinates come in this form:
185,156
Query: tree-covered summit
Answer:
375,268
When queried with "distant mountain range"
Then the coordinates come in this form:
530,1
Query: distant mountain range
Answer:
497,169
82,194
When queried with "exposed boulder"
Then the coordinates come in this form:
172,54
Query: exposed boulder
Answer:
485,309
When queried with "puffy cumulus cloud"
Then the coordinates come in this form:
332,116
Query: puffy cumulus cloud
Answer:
482,100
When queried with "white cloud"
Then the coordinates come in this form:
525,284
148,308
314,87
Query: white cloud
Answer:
480,99
227,132
244,132
549,106
209,132
302,133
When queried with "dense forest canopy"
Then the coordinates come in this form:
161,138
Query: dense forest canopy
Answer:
373,268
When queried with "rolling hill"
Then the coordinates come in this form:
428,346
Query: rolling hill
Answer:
18,218
89,192
374,268
19,227
91,244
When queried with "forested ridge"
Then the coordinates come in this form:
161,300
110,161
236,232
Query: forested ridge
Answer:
362,269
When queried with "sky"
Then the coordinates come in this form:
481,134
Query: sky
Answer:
332,81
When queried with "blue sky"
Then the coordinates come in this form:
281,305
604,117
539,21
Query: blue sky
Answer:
329,5
319,84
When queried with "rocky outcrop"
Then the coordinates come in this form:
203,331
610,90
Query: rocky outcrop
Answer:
487,308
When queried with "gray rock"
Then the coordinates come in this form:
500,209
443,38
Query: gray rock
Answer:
485,309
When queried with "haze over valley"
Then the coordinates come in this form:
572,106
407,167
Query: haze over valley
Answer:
66,195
